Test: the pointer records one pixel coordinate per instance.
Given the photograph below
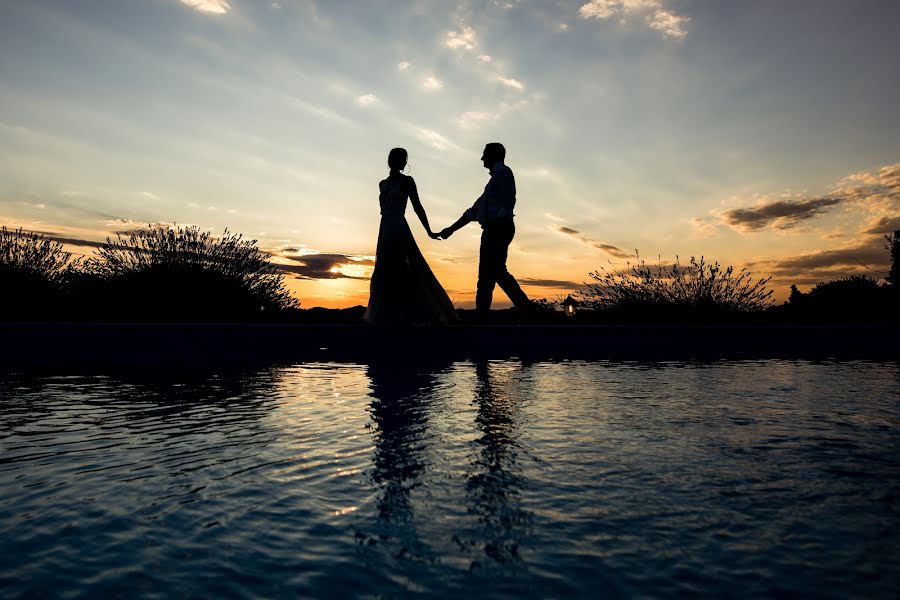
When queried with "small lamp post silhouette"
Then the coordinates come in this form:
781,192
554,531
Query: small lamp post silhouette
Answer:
569,306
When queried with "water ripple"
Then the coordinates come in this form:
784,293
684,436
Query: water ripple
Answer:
496,478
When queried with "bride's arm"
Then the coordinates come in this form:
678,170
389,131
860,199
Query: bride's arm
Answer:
417,206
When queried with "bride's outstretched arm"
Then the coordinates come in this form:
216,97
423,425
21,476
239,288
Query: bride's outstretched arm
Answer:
417,206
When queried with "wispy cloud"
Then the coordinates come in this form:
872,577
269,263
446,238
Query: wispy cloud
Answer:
703,228
511,83
466,39
539,173
218,7
318,111
883,225
652,13
432,83
868,257
126,226
876,192
435,139
608,248
366,99
780,214
69,241
475,119
309,264
403,66
561,284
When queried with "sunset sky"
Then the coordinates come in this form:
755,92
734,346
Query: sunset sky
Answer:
758,133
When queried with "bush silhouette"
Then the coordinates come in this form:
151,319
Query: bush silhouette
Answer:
858,298
34,272
696,291
182,273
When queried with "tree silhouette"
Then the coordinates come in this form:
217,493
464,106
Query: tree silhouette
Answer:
893,245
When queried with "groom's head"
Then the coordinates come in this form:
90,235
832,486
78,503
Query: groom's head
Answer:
493,153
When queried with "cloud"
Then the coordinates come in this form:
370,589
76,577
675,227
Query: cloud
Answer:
475,119
781,214
539,173
868,254
865,258
550,283
313,265
403,66
511,83
435,140
876,192
218,7
466,39
70,241
432,83
668,23
608,248
485,58
883,225
317,110
704,228
652,13
366,100
127,226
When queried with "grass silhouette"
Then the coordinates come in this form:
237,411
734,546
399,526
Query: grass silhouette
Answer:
183,273
696,291
35,273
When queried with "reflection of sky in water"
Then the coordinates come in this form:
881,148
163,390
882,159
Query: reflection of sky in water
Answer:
545,479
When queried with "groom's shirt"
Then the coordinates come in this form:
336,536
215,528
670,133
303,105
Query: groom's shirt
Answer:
498,200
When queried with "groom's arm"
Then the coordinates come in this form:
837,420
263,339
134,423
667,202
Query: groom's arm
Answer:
467,217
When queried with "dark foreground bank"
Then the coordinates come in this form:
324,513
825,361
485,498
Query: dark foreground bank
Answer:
67,345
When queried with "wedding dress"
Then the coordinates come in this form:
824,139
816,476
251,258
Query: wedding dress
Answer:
403,289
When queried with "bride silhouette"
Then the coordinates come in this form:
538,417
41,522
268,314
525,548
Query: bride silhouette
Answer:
403,289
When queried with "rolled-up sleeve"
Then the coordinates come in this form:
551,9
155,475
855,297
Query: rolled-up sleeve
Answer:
472,213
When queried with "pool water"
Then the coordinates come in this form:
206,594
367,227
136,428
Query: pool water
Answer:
502,478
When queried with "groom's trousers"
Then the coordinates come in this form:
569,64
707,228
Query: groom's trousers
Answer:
495,240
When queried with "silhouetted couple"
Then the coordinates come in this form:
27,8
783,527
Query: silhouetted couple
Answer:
403,289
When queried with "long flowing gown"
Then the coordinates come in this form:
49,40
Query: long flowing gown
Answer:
403,289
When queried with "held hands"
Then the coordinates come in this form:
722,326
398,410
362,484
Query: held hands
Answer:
443,234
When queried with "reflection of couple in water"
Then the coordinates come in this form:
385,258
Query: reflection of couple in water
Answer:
403,289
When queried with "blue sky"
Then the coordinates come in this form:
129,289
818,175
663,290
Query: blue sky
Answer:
756,133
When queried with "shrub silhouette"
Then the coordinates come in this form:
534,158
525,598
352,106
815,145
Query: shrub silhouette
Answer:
696,291
858,298
182,273
34,272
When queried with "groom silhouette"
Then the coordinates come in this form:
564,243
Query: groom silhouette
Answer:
494,212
